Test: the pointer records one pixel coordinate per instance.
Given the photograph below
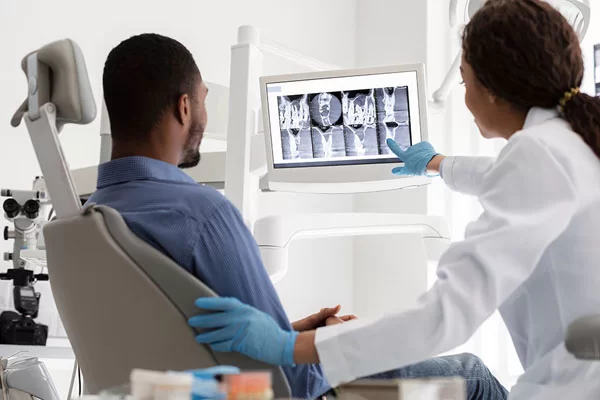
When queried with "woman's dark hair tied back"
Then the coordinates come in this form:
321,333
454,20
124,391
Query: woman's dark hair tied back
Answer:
567,97
583,113
526,52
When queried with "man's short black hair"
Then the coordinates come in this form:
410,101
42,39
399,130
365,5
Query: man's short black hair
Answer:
144,77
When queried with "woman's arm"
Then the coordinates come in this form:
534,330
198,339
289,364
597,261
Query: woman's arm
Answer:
464,174
461,174
305,351
435,164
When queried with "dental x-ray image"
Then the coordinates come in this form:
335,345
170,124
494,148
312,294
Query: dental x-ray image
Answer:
393,117
325,108
328,141
327,130
294,121
360,122
352,123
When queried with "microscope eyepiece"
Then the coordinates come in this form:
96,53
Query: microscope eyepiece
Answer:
11,208
32,209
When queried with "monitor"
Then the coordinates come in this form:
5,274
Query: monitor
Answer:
326,132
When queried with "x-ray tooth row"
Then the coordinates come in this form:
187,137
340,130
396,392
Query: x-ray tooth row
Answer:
343,124
293,112
359,107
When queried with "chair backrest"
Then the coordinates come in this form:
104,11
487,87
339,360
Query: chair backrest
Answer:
125,305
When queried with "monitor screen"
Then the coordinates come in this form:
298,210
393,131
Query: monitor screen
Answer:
343,120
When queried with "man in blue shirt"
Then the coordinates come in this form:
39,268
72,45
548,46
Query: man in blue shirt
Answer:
155,97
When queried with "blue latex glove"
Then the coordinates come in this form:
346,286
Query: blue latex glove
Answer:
415,158
235,326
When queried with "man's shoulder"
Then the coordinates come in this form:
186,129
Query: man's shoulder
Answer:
196,203
202,201
207,193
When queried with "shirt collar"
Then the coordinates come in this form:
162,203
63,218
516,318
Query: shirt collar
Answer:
537,116
139,168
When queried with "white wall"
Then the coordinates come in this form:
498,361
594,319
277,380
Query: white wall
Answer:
390,32
322,30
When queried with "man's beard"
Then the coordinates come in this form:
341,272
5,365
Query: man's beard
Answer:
192,151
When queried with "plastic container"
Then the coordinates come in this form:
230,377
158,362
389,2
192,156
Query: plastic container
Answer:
142,383
153,385
174,386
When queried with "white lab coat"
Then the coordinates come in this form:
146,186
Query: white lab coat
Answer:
534,254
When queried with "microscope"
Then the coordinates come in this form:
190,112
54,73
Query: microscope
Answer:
27,211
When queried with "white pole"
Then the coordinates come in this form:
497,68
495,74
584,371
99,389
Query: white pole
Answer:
241,187
105,138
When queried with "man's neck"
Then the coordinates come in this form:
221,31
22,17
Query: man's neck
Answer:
120,151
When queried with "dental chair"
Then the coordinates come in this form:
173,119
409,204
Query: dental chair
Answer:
124,304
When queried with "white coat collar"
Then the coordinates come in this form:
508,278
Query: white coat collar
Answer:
537,116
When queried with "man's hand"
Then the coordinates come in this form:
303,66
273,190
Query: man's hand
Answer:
316,320
339,320
325,317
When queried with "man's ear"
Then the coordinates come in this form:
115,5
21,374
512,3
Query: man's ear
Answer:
492,98
183,110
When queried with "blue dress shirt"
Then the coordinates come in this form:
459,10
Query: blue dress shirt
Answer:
203,232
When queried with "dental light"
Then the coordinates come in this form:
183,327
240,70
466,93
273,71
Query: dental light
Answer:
577,12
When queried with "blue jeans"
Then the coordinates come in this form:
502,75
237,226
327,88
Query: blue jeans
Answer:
481,384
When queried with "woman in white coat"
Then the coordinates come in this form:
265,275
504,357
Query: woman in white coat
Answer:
533,254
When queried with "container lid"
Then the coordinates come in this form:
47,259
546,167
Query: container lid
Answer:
211,373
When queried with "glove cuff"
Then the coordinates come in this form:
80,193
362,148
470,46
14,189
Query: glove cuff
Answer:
288,351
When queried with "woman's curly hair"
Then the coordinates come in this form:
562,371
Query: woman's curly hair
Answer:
525,52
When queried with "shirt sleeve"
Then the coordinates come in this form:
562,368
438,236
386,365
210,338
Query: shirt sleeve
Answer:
465,174
528,202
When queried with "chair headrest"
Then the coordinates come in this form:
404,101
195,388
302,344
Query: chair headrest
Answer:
67,83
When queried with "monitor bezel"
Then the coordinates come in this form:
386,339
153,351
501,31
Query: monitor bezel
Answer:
354,178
